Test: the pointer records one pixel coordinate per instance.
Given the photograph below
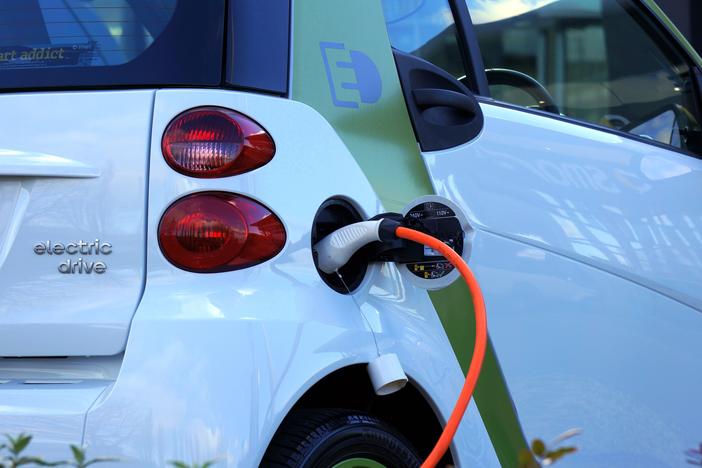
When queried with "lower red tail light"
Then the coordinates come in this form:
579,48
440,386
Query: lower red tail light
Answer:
210,232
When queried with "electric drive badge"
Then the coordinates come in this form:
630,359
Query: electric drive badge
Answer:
72,266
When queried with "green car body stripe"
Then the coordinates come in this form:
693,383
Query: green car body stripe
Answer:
330,40
380,135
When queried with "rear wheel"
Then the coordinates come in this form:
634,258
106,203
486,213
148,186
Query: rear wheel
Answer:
337,438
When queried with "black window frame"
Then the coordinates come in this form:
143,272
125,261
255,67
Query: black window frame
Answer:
636,7
258,46
470,48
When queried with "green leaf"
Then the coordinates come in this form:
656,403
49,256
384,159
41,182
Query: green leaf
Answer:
538,447
18,444
557,454
100,460
180,464
33,461
78,454
40,462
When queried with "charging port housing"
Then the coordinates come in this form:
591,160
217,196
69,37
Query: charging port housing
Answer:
333,214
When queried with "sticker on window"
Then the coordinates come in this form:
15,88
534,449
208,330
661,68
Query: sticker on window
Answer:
47,56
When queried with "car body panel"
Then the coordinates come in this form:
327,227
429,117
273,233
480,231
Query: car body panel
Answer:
214,362
620,205
72,168
582,348
588,250
52,412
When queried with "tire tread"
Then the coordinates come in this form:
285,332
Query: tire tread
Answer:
304,429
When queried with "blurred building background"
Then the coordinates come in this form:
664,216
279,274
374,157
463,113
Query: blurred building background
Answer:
687,16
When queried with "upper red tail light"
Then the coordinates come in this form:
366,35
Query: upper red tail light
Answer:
212,142
210,232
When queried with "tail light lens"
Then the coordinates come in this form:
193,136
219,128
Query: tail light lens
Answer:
210,232
212,142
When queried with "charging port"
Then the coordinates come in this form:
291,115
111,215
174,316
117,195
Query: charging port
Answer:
336,213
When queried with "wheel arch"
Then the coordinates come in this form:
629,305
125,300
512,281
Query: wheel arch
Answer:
410,411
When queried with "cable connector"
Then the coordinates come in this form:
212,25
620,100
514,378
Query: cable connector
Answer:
335,250
392,248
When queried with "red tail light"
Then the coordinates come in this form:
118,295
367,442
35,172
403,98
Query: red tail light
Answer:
209,232
212,142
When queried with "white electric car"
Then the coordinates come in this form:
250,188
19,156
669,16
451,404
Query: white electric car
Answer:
166,167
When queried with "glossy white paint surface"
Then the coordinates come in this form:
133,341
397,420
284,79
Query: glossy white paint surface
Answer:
589,250
214,362
72,168
28,164
624,206
53,413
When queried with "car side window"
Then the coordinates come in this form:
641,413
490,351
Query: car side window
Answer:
599,61
77,43
73,33
425,29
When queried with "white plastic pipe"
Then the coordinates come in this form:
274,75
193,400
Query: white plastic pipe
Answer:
386,374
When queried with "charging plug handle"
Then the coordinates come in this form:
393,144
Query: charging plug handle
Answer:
336,249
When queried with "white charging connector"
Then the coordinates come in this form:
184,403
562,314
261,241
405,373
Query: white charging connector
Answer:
335,250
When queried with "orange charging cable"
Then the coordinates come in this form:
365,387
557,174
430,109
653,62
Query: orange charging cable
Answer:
476,361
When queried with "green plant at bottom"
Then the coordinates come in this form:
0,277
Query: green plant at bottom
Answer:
179,464
15,447
12,455
81,461
541,454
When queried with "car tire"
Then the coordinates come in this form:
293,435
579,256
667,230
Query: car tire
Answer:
327,438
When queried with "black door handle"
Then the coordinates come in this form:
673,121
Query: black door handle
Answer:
444,113
426,98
